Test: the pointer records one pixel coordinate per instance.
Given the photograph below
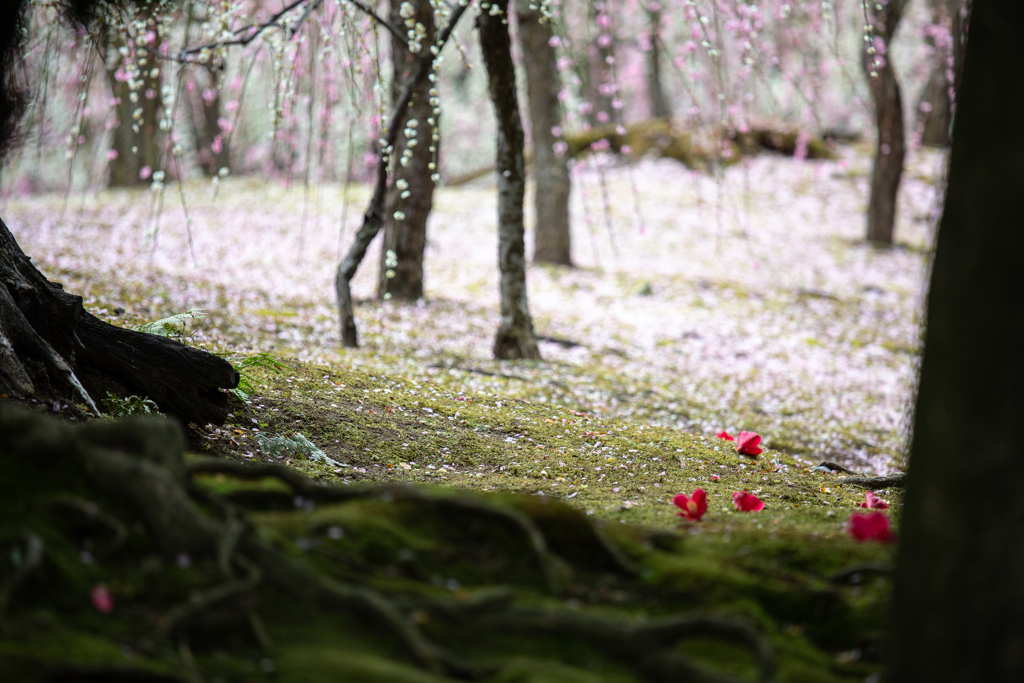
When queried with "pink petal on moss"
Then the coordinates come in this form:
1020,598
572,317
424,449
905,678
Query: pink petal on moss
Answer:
747,502
873,502
102,600
746,443
724,435
870,527
693,506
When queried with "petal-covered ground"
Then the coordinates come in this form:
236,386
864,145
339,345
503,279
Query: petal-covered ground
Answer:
748,302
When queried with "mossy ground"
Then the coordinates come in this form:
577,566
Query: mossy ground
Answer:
568,472
392,429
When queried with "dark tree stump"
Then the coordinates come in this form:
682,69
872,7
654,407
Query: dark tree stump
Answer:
51,348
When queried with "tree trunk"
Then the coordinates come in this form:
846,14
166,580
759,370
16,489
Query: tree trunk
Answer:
211,140
136,141
934,110
959,597
660,108
550,169
52,349
411,194
891,143
515,338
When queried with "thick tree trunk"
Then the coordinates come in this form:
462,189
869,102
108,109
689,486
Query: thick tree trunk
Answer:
52,349
411,194
660,108
515,338
211,141
136,141
550,170
891,142
959,596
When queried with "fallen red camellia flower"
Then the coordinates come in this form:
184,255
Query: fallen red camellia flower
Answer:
724,435
870,527
747,443
747,502
873,502
693,506
102,600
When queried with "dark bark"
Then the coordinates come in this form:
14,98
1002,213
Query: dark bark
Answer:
408,237
934,110
552,242
205,112
137,136
660,108
515,338
373,219
959,597
891,141
52,349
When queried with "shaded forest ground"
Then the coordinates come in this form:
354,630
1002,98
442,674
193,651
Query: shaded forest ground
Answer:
746,304
551,550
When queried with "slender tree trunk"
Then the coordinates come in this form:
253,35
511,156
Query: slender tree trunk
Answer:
891,142
959,595
136,141
205,113
550,169
411,194
934,110
515,338
660,108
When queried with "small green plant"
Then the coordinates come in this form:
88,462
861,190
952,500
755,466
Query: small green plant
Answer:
129,406
176,326
246,382
295,445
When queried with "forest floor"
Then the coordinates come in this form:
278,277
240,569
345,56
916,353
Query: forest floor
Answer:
696,306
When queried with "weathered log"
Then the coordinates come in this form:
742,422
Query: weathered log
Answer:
52,349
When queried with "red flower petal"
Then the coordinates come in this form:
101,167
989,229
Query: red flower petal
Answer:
872,527
873,502
102,600
747,443
747,502
693,506
724,435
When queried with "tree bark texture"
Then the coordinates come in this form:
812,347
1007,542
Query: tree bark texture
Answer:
373,219
934,110
660,108
891,139
552,242
412,188
515,338
52,349
959,595
137,136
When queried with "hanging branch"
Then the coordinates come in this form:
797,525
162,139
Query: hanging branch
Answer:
373,219
245,35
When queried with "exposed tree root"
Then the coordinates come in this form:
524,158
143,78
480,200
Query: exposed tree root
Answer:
897,480
135,468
